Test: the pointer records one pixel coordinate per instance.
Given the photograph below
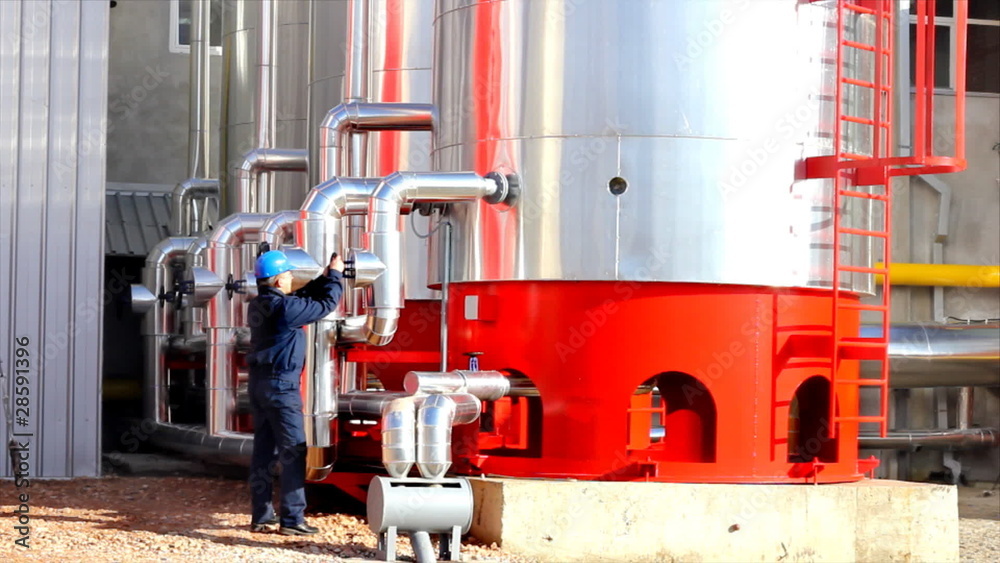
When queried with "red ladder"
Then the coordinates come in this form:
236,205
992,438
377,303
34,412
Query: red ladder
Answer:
864,178
844,194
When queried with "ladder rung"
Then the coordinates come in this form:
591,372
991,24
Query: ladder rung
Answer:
879,419
861,120
863,232
856,82
872,382
859,9
862,307
852,193
856,45
863,269
855,156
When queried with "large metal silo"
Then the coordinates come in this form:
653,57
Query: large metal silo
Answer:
690,107
666,234
262,113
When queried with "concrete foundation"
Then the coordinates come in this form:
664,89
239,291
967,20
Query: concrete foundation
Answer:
874,521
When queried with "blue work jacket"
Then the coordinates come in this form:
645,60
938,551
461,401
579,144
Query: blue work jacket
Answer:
278,343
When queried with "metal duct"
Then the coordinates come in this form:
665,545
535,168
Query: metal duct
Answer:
226,257
437,415
185,220
263,102
158,324
195,441
484,385
903,439
199,118
399,440
319,233
933,355
255,193
350,118
366,404
198,186
385,239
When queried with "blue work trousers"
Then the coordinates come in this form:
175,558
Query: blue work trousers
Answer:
279,440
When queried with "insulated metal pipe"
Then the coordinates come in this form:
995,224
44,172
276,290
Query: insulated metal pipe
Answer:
484,385
356,117
437,415
385,238
399,439
184,198
368,404
934,355
256,195
903,439
158,324
199,93
225,257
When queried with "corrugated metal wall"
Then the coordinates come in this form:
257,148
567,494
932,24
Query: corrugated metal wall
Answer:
53,108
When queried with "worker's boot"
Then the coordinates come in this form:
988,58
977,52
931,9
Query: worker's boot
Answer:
302,529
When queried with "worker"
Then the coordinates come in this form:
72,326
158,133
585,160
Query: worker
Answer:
278,348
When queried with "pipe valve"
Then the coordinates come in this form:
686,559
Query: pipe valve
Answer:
364,267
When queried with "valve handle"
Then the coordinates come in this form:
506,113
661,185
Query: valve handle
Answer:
235,286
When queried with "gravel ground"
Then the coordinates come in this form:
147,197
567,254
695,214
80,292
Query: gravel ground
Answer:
204,519
177,519
979,524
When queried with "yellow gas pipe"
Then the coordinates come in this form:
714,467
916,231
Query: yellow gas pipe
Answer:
944,275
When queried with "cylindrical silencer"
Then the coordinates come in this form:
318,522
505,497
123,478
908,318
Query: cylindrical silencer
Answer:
419,505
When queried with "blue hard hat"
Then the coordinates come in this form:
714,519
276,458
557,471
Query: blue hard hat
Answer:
270,264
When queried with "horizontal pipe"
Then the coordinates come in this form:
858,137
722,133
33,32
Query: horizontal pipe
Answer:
485,385
942,275
195,441
355,117
366,403
903,439
934,355
184,345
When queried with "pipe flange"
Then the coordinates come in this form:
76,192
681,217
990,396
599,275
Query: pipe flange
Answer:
503,188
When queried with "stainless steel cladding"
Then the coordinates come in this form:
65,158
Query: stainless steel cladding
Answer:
53,122
675,153
327,57
264,91
402,53
932,355
399,439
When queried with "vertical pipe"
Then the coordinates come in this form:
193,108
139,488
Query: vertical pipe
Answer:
445,287
965,404
266,114
199,118
226,257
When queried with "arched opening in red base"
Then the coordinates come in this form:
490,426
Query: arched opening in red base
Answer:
673,416
809,423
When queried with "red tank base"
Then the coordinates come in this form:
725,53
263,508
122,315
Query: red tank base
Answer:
657,381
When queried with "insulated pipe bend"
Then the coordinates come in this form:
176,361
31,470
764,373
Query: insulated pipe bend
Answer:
156,326
224,257
385,239
352,117
183,198
253,197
